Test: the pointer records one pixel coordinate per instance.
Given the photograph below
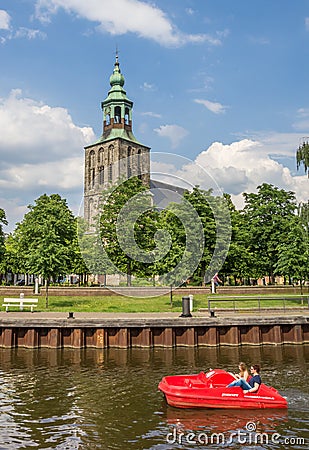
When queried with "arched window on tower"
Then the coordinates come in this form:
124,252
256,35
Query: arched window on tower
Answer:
139,163
91,158
129,163
110,163
110,173
117,114
126,116
91,169
101,175
100,155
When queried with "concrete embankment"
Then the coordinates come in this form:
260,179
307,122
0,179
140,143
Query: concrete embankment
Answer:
105,330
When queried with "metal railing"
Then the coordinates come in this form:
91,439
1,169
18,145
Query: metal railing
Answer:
302,300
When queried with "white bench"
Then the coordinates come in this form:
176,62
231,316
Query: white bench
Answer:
21,302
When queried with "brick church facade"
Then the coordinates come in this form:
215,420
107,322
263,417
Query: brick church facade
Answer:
117,154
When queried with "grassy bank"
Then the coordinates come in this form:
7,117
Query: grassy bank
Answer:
120,304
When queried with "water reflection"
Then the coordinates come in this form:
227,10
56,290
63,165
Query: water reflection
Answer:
221,421
92,399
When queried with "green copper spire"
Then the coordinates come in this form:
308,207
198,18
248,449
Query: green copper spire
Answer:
116,78
117,109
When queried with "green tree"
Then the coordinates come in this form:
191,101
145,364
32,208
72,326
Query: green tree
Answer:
303,212
90,255
201,201
239,261
12,260
3,221
214,214
293,255
199,230
181,242
267,214
302,155
127,225
78,261
45,238
293,258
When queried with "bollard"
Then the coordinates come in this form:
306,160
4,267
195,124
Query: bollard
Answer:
186,307
212,313
71,315
191,302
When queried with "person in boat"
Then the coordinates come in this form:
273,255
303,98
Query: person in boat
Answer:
253,384
243,374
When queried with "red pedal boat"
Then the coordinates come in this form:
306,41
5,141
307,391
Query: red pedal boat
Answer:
209,390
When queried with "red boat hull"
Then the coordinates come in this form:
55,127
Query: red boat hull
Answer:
210,391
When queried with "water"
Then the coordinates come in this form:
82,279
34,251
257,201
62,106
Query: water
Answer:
94,399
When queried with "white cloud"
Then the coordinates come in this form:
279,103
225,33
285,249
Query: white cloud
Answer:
243,165
215,107
27,33
41,151
235,168
5,20
174,133
34,132
274,144
148,87
307,23
21,32
151,114
190,11
124,16
303,120
303,112
21,184
63,175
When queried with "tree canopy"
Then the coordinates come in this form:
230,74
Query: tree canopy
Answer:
44,239
127,225
302,155
194,238
267,215
3,221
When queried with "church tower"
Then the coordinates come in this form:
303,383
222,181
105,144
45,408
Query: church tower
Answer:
117,154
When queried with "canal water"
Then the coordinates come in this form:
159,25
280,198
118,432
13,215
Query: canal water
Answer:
108,399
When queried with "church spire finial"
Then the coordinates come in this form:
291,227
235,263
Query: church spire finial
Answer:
116,78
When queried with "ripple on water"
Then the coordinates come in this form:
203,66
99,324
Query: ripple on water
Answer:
109,399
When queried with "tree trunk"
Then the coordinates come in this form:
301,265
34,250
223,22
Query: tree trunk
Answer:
203,273
46,293
129,275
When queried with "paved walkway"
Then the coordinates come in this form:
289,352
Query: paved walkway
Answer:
203,313
197,316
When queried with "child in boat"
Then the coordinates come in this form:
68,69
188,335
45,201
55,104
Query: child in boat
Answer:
253,384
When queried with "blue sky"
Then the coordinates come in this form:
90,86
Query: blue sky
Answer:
223,83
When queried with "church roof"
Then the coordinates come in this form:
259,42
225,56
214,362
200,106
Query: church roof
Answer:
115,133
